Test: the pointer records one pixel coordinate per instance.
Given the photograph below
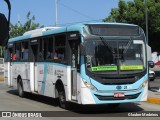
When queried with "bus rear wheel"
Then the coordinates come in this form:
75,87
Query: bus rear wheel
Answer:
20,88
62,98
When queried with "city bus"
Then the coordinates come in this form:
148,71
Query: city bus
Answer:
88,64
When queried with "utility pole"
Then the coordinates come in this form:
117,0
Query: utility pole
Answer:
18,20
146,17
56,13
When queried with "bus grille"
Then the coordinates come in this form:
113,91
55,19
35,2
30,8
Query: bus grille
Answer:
113,98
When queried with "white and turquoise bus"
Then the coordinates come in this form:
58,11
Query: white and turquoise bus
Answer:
92,63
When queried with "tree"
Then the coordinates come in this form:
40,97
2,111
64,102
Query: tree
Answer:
134,12
18,29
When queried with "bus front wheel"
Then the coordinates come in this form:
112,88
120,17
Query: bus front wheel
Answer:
20,89
62,98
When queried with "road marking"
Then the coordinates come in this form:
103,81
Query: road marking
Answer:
1,78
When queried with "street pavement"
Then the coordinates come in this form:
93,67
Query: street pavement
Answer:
155,85
154,91
1,76
10,101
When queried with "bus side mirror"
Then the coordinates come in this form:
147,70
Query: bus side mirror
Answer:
4,30
151,64
82,49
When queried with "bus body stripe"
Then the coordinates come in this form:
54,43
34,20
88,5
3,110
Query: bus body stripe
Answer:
44,80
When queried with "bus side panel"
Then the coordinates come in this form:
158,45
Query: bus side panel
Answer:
32,76
44,78
47,75
79,97
15,70
9,74
6,64
25,74
68,89
21,70
60,73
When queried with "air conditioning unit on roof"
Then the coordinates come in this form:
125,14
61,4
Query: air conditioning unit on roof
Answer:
39,31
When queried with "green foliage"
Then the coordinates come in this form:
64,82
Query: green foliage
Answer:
134,12
18,29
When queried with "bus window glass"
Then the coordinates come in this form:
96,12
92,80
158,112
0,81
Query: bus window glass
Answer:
16,54
60,48
48,48
24,51
40,54
34,54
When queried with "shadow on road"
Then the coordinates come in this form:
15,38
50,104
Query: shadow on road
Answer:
84,109
103,109
38,98
154,89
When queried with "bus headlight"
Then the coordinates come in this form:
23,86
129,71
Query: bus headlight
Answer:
144,83
90,86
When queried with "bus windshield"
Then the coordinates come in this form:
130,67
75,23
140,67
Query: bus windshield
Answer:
115,56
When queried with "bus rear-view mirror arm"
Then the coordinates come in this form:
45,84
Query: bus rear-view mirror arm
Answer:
82,49
151,64
9,8
4,26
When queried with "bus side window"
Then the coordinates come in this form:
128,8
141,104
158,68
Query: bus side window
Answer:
16,53
40,54
60,43
34,52
24,51
48,48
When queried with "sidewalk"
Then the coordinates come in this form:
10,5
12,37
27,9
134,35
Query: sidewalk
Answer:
154,95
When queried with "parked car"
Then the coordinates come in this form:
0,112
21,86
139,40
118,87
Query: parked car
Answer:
151,75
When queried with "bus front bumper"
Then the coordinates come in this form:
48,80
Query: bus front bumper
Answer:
89,96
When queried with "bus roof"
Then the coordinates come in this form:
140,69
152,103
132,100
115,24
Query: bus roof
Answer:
77,27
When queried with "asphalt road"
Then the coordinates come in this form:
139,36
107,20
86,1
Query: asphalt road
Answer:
155,84
10,101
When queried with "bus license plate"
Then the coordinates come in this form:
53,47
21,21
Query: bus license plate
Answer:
118,95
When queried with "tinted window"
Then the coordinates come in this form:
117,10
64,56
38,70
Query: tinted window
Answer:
40,54
48,48
24,51
60,42
16,54
114,30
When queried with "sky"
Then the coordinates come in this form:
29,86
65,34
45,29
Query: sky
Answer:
69,11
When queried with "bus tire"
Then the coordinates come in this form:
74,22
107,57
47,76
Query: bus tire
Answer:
20,89
62,98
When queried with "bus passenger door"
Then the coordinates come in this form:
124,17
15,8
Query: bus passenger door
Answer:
33,68
74,68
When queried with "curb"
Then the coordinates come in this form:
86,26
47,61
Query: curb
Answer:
153,100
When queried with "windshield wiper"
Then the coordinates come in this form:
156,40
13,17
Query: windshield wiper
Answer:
122,54
106,44
128,45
